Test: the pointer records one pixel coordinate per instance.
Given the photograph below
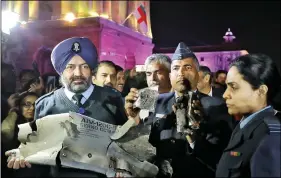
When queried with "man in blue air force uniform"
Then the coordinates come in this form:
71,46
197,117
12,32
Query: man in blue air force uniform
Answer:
74,59
182,155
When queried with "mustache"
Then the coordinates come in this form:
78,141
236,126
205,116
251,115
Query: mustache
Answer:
154,83
78,78
184,82
178,80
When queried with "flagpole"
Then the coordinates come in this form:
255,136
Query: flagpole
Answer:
127,18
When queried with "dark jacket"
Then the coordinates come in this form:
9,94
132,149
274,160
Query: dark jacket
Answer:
211,139
253,150
218,92
104,104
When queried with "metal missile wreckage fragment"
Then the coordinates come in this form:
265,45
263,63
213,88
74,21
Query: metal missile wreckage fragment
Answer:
85,143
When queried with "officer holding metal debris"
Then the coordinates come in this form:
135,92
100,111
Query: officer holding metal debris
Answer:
74,59
127,153
189,129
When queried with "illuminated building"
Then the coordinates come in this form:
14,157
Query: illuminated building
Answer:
49,22
214,56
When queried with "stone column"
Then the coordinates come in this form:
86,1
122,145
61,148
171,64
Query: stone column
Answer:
82,9
18,8
122,12
33,10
147,10
57,13
66,7
99,7
25,14
115,11
93,8
107,9
132,20
8,5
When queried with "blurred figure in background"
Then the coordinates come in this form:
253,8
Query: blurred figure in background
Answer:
31,82
138,81
26,78
127,74
120,78
42,58
133,72
129,81
219,80
205,83
105,74
21,111
8,87
8,80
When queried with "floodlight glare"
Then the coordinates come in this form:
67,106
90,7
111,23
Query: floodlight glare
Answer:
69,17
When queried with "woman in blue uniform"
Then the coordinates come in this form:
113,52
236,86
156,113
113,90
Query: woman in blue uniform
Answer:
254,148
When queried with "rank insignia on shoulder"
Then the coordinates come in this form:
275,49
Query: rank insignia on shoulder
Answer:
235,153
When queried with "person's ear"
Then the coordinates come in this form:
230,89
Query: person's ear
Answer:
263,89
207,78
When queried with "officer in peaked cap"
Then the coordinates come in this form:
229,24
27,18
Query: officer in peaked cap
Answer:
74,59
196,154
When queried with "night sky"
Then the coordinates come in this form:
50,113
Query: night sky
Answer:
256,25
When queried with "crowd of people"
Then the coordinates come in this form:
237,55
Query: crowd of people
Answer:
239,109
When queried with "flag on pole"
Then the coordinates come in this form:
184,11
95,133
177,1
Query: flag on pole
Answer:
140,15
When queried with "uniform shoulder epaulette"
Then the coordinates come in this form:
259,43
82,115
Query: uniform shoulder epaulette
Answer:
44,96
116,91
273,123
111,89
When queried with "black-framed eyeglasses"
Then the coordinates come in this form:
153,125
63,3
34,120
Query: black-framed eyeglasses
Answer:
28,105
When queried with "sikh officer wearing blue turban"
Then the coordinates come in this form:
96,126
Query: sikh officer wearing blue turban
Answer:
74,59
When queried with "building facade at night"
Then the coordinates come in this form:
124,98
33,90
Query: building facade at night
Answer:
216,57
109,24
